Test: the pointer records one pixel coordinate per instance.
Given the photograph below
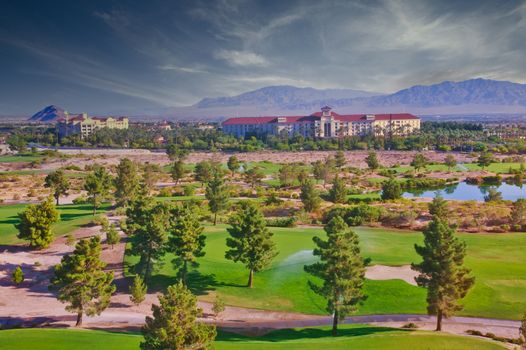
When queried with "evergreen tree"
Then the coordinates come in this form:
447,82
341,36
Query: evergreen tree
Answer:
58,183
253,176
522,331
17,276
233,164
323,170
203,171
391,189
126,182
36,223
419,162
372,161
149,176
341,268
176,152
186,239
178,171
442,271
485,159
450,161
288,174
97,184
438,207
112,236
339,159
250,241
81,280
217,195
310,197
518,212
338,192
138,290
147,222
174,323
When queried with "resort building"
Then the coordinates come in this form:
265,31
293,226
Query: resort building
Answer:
324,124
84,125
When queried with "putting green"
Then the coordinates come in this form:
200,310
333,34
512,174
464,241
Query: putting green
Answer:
498,262
351,337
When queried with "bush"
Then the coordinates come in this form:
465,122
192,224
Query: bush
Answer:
189,190
80,200
355,215
410,325
281,222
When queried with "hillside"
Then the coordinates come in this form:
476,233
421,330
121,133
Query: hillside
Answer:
48,115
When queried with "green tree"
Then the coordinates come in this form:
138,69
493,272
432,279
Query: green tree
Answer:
438,207
339,159
493,195
419,161
178,171
58,183
338,192
175,152
485,159
97,184
391,189
217,195
522,331
450,161
174,323
219,305
147,223
250,241
288,174
253,176
323,170
203,171
341,268
138,290
150,176
518,211
36,223
233,164
186,239
17,276
372,161
310,197
442,272
112,236
126,182
81,280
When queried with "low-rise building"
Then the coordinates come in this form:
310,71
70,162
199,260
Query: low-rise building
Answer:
84,125
324,124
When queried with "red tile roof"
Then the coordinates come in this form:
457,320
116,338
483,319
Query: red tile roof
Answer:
316,116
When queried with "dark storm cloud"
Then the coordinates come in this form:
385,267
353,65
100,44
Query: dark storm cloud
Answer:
133,56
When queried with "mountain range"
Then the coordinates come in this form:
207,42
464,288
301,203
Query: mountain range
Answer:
473,97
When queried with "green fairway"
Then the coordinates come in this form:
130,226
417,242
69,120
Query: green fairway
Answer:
351,337
499,168
71,217
19,158
497,260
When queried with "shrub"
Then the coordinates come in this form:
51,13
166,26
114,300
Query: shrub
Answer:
410,325
80,200
281,222
189,190
355,215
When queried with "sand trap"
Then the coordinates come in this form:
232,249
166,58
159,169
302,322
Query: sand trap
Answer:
382,272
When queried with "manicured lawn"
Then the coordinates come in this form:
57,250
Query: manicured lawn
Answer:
361,337
19,158
498,262
499,168
71,217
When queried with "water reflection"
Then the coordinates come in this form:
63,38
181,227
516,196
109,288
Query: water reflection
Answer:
464,191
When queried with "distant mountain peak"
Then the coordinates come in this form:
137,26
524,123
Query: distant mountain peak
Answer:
48,114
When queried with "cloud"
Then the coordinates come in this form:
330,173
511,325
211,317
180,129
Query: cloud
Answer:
182,69
241,58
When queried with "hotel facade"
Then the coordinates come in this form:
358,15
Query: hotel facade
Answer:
84,125
324,124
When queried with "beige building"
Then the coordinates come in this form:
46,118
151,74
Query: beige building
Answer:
84,125
325,124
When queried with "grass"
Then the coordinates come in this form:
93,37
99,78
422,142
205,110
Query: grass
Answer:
351,337
23,158
498,168
498,262
71,217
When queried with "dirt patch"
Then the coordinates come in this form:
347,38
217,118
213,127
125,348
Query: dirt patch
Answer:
382,272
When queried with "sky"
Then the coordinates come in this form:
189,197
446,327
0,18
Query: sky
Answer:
139,56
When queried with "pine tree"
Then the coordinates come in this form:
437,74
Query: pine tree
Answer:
485,159
147,222
174,323
253,176
186,239
338,192
518,212
450,161
419,162
341,268
97,184
58,183
372,161
149,176
310,197
176,152
339,159
438,207
522,331
219,306
81,280
391,189
112,236
233,164
138,290
178,171
203,171
217,195
17,276
250,241
126,182
442,271
36,223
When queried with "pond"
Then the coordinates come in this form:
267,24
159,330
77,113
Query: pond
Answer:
465,191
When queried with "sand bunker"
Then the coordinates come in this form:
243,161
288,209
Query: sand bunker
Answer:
382,272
